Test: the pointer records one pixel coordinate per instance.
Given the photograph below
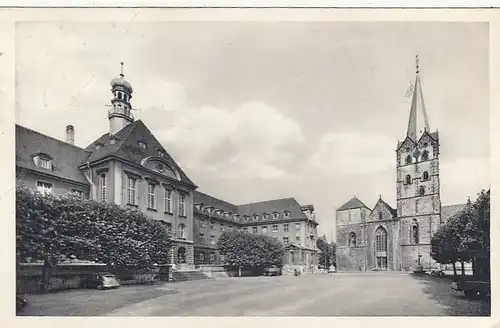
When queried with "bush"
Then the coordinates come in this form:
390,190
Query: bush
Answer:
87,230
245,250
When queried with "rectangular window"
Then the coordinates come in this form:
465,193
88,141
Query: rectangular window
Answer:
212,226
245,229
102,184
131,191
264,229
77,192
43,162
182,207
212,240
202,256
254,229
168,201
286,228
151,195
275,228
44,187
297,239
297,226
285,240
168,227
212,257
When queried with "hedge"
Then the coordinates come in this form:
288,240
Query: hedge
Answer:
74,227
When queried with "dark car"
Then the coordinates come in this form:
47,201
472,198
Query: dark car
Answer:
20,303
271,271
101,281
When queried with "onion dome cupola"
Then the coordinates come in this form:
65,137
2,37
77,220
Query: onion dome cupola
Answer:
120,114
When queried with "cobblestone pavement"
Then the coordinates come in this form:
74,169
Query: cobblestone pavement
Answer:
341,294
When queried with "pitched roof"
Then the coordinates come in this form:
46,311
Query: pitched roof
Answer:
127,147
208,200
270,206
391,210
65,157
351,204
450,210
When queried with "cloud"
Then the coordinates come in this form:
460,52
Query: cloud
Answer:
347,154
253,140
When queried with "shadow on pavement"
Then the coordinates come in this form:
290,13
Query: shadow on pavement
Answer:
89,302
455,303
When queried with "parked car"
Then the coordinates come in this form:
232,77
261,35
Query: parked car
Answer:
101,281
20,303
473,288
272,271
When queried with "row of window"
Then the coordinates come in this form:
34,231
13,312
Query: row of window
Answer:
286,240
121,96
424,157
286,227
409,180
221,213
47,188
181,229
132,196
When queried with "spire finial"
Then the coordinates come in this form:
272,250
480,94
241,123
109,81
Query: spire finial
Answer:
416,62
121,69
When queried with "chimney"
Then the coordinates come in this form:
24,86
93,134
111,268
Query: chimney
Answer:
70,134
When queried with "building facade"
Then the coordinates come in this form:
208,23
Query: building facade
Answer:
384,238
129,166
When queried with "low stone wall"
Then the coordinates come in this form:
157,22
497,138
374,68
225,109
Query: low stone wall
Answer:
214,271
29,276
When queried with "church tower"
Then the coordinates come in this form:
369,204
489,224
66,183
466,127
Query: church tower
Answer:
418,188
120,114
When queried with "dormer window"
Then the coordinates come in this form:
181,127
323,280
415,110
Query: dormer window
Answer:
44,161
275,215
287,214
266,216
160,153
236,217
246,217
143,145
255,217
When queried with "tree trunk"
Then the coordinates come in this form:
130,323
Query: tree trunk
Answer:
474,273
463,268
239,272
454,270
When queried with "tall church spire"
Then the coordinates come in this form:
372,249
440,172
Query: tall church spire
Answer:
418,122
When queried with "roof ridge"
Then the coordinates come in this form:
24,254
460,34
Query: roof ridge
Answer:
50,137
268,201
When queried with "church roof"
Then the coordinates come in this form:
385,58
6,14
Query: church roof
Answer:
126,147
65,157
389,208
351,204
450,210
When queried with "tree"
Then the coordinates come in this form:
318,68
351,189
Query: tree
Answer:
466,237
71,226
327,254
245,250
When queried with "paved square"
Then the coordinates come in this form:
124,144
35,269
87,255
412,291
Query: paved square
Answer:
343,294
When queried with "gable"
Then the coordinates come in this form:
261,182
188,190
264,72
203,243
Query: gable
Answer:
382,209
352,204
136,144
406,146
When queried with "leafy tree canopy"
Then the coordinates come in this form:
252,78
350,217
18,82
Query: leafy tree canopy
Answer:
246,250
87,230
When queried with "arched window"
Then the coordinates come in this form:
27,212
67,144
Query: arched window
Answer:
352,239
119,95
182,231
380,216
408,159
426,175
380,240
421,190
408,179
414,234
425,155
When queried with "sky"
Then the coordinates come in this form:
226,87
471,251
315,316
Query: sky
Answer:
254,111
